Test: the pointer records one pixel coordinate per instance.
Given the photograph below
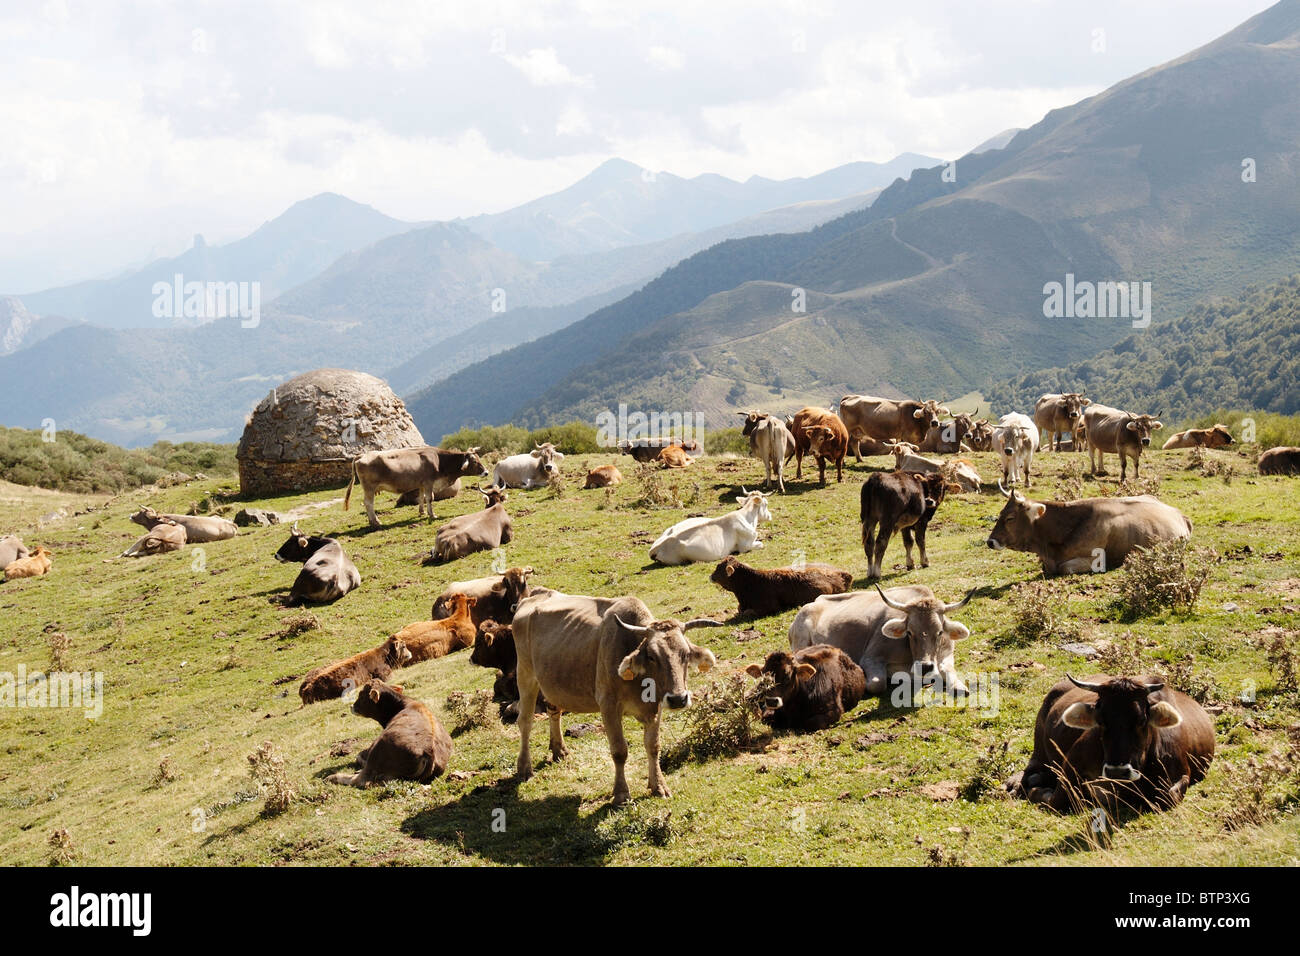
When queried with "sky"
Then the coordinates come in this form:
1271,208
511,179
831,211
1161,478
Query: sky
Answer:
128,127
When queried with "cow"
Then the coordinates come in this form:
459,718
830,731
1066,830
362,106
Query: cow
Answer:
342,677
413,745
476,531
603,476
648,449
712,539
981,435
961,472
1116,742
764,592
1079,441
866,416
1120,433
428,640
1283,460
165,535
494,646
1216,437
606,655
410,498
327,573
819,432
532,469
898,501
674,456
35,564
11,549
1015,439
811,689
1090,534
496,597
771,443
427,470
1057,413
918,643
199,529
949,437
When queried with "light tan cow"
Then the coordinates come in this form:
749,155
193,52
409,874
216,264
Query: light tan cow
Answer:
165,535
1058,414
34,565
1216,437
11,549
1118,432
199,529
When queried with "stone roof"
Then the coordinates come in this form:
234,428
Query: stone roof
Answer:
328,414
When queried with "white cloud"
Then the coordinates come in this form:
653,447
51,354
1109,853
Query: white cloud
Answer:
542,67
665,58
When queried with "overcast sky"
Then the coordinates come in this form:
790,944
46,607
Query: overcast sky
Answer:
128,127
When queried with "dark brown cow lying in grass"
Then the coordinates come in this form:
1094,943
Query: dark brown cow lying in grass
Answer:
1116,741
811,689
341,677
497,596
413,746
764,592
431,639
1282,460
494,646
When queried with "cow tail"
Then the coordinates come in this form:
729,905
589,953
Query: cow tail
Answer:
347,498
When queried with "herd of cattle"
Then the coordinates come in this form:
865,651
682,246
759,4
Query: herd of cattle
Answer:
1105,740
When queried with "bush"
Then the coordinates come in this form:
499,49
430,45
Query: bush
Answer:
575,438
1038,613
489,440
469,710
723,719
726,441
266,766
1168,575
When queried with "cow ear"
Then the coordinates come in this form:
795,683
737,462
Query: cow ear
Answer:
374,693
702,657
895,628
1085,401
399,688
1080,716
956,630
806,671
1164,714
1157,425
753,670
741,501
919,413
302,542
1040,509
730,567
1132,426
627,669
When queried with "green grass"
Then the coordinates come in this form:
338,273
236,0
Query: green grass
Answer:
190,666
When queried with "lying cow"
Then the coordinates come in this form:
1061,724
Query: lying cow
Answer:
532,469
603,476
819,432
960,472
11,549
496,597
327,573
413,746
811,689
949,438
764,592
1216,437
428,640
917,642
674,456
1119,433
426,470
1058,414
34,565
199,529
1015,439
606,655
646,449
898,501
771,443
342,677
712,539
886,419
477,531
1090,534
165,536
1117,741
981,435
494,646
1283,460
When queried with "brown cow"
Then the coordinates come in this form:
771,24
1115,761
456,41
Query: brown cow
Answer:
1118,432
981,435
950,437
764,592
1215,437
496,597
1283,460
604,476
33,566
811,689
866,416
1059,414
413,746
341,677
494,646
430,639
199,529
673,456
477,531
1116,741
819,432
900,500
427,470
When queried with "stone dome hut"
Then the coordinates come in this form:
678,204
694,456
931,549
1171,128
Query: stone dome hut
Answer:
306,432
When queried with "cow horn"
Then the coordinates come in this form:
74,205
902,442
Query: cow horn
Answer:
1083,684
894,604
1152,688
701,622
1001,488
955,605
743,491
634,628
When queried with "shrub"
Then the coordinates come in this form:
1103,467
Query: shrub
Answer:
470,710
992,768
1038,613
726,441
1168,575
1263,789
575,438
62,852
267,768
489,440
723,718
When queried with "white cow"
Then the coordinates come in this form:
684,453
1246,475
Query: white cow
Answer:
530,470
712,539
1015,439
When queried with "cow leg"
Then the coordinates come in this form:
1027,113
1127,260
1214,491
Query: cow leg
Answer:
869,546
558,750
907,545
528,689
370,508
657,786
821,470
798,462
839,469
882,542
780,476
857,450
611,715
920,541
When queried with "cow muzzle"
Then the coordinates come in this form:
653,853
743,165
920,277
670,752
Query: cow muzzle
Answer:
678,701
1145,442
994,543
772,704
1120,771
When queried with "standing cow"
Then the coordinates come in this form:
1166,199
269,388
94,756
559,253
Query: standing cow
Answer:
819,432
1015,439
1059,413
427,471
771,443
883,419
1118,432
898,501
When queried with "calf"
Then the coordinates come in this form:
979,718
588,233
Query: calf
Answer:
341,677
604,476
674,456
199,529
496,598
33,566
1118,432
327,573
163,537
811,689
430,639
1282,460
1216,437
764,592
11,549
771,443
478,531
494,646
1117,741
900,500
413,746
819,432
